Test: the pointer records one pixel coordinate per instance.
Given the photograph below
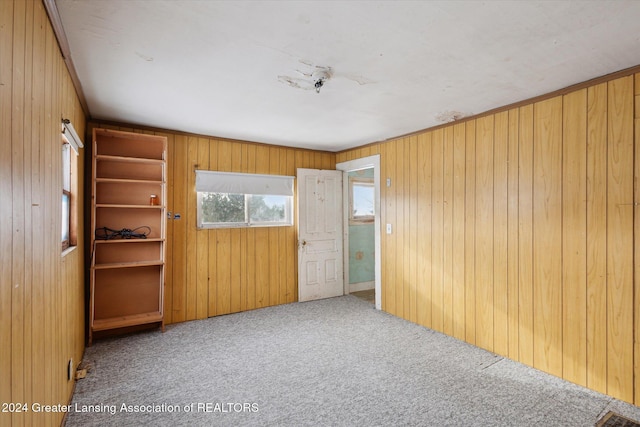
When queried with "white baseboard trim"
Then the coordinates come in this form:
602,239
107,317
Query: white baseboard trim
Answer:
362,286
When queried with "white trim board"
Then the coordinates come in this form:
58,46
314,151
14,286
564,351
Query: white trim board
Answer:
361,286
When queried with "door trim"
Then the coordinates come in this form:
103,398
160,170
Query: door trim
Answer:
346,167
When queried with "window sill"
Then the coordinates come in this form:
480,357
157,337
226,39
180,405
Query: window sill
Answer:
68,250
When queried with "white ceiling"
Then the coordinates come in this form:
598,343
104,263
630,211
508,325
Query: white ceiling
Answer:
246,69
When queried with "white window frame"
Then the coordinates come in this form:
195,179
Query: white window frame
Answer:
248,185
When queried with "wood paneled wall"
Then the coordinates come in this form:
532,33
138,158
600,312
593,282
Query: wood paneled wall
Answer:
515,232
41,291
215,272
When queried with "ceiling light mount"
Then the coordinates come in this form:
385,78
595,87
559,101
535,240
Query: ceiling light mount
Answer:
320,76
314,79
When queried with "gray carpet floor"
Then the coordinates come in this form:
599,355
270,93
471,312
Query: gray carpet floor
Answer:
335,362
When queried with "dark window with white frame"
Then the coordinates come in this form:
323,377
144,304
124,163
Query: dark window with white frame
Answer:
226,199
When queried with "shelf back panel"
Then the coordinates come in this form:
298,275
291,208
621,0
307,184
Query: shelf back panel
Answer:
127,291
124,193
112,143
129,170
127,251
130,218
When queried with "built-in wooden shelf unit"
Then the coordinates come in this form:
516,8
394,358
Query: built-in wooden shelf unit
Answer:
128,193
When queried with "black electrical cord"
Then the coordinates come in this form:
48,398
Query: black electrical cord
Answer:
106,233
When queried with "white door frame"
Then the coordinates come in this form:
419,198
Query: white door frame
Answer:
346,167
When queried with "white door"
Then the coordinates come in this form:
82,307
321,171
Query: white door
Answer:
319,234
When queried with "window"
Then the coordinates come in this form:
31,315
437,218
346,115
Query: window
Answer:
243,200
362,199
66,196
70,140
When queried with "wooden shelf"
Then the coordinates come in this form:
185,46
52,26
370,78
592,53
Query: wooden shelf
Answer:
129,181
128,264
127,275
124,321
141,160
100,241
119,206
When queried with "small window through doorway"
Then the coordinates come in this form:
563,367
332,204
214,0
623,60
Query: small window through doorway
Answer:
362,200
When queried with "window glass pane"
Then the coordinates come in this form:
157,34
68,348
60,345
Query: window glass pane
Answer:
363,197
65,217
222,207
267,208
66,167
243,210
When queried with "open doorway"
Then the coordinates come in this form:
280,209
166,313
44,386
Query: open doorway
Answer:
361,198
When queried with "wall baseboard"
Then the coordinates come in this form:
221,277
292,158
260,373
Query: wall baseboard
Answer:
362,286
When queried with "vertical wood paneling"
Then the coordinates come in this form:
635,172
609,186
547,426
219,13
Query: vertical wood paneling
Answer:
274,243
512,234
168,269
27,257
251,241
547,227
399,225
291,242
49,293
484,232
212,236
282,245
500,222
17,214
596,212
470,233
636,242
411,150
189,215
620,239
423,291
6,207
548,234
525,227
179,295
437,231
459,177
262,240
574,237
41,290
235,237
447,240
384,200
243,261
222,237
58,268
202,244
388,166
38,188
223,271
